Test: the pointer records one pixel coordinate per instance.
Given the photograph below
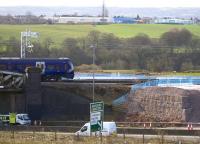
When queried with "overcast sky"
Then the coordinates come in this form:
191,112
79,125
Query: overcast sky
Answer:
109,3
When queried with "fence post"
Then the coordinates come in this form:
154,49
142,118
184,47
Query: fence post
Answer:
143,133
124,134
78,136
33,135
55,135
35,122
143,137
13,134
101,137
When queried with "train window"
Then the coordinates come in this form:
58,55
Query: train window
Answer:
38,65
65,66
2,67
19,67
10,67
28,66
41,65
50,67
71,67
57,67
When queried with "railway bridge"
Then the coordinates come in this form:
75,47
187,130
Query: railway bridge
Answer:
11,85
64,100
11,80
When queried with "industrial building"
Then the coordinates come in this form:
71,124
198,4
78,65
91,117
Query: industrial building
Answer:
173,21
80,19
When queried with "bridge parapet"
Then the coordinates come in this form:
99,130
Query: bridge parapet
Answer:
11,80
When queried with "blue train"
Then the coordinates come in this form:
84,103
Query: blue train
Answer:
51,68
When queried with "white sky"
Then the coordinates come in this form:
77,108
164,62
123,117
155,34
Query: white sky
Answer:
109,3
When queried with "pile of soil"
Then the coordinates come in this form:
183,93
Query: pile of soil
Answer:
164,104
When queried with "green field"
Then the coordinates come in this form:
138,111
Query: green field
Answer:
59,32
56,32
153,30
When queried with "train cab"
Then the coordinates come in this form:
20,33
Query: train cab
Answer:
51,68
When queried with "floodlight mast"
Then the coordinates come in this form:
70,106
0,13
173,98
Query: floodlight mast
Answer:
26,41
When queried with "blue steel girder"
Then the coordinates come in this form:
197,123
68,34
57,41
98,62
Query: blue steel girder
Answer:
11,80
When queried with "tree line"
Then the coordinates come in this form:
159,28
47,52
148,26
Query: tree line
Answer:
28,18
175,50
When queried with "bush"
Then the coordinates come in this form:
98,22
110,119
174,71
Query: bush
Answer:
85,67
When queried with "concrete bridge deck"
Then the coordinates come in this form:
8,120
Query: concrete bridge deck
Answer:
118,81
3,90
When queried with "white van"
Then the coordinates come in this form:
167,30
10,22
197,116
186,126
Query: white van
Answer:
109,128
23,119
4,119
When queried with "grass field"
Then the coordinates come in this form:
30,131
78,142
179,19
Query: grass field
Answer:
56,32
153,30
59,32
56,138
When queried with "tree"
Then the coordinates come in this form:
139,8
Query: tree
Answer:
48,42
139,40
13,47
39,51
177,37
109,41
170,38
187,65
185,37
72,50
93,37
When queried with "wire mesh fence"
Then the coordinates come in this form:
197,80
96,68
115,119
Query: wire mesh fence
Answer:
129,135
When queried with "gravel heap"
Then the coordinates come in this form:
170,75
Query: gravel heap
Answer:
164,104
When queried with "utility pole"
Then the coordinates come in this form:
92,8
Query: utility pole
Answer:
103,10
26,41
93,70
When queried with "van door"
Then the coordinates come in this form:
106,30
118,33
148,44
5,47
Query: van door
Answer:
84,131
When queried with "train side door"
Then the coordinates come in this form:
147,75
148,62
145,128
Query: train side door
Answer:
41,65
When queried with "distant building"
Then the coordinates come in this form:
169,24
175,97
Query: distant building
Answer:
124,20
80,19
197,20
173,21
147,20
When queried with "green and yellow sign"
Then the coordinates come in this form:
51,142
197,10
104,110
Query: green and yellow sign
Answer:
12,118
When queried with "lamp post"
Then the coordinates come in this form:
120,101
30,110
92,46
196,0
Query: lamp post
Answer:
93,63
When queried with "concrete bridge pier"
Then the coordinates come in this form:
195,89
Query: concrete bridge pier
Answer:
33,93
12,103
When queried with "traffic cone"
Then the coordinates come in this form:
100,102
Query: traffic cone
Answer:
190,127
